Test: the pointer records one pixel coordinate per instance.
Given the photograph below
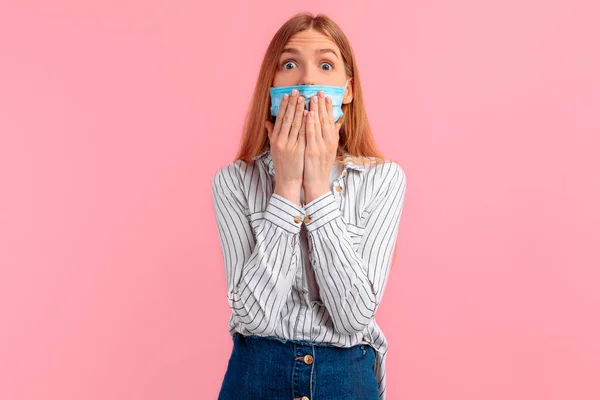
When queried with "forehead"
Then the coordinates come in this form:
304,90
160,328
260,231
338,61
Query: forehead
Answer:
308,40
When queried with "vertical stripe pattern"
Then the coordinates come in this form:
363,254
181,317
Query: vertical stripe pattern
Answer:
350,238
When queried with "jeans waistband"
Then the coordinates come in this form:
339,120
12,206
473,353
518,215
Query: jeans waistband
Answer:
301,342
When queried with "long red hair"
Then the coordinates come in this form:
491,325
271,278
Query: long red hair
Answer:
356,137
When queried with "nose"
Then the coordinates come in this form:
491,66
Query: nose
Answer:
306,80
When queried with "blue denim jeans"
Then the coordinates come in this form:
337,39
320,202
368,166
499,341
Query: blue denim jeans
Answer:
269,368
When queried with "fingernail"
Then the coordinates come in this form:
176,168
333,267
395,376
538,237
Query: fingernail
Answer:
294,92
285,96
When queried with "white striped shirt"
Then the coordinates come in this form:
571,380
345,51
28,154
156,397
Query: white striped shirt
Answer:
328,289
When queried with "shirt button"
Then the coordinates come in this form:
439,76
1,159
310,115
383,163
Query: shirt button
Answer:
308,359
344,174
298,219
307,219
338,188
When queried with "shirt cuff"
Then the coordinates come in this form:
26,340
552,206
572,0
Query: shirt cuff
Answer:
321,211
285,213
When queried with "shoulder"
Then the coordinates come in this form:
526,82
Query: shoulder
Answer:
231,175
384,173
228,185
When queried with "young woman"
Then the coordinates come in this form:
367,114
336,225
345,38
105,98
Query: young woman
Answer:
308,217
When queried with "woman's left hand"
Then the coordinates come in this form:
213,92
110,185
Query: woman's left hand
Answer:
322,138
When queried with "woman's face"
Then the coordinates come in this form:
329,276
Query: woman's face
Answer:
311,58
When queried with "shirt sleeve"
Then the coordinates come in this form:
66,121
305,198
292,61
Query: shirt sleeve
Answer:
352,282
259,267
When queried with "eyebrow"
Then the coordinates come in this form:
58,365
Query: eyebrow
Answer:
321,51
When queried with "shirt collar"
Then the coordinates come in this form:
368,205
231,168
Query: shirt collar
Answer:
265,157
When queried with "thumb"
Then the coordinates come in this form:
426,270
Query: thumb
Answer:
338,125
269,126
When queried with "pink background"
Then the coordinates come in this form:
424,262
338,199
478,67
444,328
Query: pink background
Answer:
115,115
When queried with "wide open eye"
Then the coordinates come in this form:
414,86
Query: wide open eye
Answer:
285,63
330,65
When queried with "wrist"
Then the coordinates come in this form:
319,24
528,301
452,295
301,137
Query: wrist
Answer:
314,190
290,191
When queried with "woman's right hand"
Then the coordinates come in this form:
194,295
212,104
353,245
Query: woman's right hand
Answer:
287,140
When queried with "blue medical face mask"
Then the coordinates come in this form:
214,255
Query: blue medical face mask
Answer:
308,91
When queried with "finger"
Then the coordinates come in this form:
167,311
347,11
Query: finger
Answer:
280,113
288,117
297,122
336,125
301,143
314,107
329,102
323,117
310,130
